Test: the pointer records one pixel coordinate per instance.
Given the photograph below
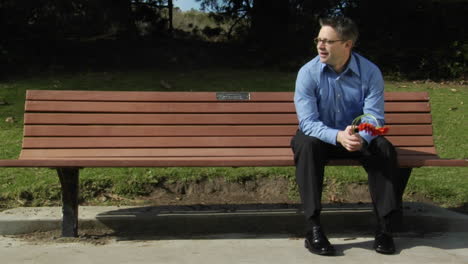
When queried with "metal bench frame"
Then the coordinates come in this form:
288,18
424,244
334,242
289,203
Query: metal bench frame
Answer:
70,130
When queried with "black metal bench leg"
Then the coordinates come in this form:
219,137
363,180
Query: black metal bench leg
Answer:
69,178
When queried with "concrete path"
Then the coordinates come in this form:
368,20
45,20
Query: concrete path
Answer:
444,248
436,235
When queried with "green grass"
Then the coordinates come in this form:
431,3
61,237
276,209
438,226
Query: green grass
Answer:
34,187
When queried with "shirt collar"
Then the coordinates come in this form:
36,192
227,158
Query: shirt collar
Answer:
352,66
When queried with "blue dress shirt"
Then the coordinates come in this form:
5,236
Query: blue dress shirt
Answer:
327,102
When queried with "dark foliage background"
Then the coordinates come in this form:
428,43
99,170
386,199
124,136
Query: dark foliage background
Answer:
424,39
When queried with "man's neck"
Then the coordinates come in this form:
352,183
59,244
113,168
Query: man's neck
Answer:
340,68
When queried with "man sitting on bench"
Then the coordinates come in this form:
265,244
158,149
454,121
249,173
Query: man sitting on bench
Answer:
331,91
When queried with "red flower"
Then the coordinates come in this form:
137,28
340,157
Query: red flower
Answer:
382,130
371,129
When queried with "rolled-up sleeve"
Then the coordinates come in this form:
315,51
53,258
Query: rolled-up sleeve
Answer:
305,101
374,103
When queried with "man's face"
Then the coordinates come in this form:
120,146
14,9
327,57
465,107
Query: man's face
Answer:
334,54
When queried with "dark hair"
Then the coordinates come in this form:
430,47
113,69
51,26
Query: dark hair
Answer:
345,27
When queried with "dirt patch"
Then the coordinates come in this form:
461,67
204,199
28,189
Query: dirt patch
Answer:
216,193
95,237
220,191
355,193
263,190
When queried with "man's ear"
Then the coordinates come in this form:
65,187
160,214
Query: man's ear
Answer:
349,44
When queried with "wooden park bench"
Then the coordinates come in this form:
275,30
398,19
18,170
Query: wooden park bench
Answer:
70,130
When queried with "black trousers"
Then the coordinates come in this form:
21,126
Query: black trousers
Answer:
379,160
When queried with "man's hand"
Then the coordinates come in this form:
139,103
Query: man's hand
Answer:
349,140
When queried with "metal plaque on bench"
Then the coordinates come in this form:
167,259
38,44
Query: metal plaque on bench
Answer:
232,96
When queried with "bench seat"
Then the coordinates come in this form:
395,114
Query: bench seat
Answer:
70,130
413,161
170,129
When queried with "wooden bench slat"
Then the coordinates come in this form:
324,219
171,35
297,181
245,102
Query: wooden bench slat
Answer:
160,152
411,162
200,107
410,118
270,161
416,151
132,96
148,96
410,130
182,152
399,107
400,141
148,119
125,107
163,142
407,96
153,152
187,119
420,161
172,130
276,161
174,142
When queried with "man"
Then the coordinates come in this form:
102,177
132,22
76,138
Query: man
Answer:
331,90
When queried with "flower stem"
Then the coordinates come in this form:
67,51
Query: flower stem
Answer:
357,119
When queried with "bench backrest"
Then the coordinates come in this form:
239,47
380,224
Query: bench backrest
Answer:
133,125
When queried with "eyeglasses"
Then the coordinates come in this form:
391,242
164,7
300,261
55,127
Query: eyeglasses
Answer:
326,41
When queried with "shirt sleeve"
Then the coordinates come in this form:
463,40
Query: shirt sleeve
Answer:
305,102
374,103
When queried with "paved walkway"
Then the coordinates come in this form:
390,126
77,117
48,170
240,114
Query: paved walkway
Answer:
436,236
444,248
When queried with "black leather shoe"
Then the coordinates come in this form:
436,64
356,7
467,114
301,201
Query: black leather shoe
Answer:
316,242
383,243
